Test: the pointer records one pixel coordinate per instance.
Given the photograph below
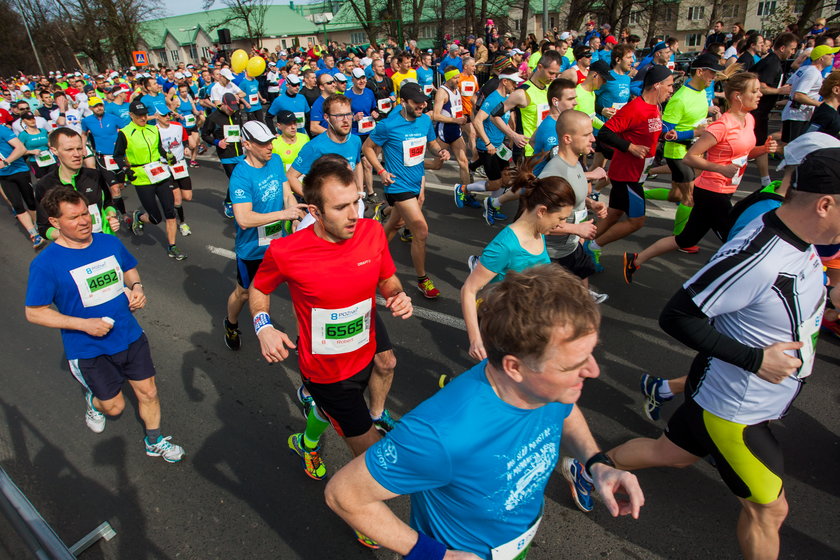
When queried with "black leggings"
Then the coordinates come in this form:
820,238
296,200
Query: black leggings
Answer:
163,193
18,189
41,171
228,167
710,212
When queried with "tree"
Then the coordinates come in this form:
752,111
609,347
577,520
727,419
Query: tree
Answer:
365,17
249,13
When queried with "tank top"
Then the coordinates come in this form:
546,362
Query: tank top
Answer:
534,113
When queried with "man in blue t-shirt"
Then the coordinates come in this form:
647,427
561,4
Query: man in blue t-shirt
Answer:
262,206
119,106
251,87
290,100
317,122
451,59
403,137
93,284
476,457
101,128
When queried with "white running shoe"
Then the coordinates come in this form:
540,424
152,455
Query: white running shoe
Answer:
94,419
185,229
170,452
598,297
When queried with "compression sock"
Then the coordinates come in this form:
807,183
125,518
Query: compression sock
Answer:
594,245
180,211
478,186
658,193
665,390
681,218
315,427
119,204
765,180
421,279
153,436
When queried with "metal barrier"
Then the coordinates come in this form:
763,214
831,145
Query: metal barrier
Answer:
35,532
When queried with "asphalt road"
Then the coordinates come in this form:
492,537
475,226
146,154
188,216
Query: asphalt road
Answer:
240,493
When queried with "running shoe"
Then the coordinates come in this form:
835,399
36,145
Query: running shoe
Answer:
313,466
581,488
428,289
630,266
185,230
459,194
406,236
94,419
137,223
472,260
379,212
651,386
366,541
232,338
202,149
373,198
38,242
598,297
499,217
489,212
479,172
306,401
595,254
170,452
193,163
472,202
693,250
175,253
228,207
831,326
384,423
127,221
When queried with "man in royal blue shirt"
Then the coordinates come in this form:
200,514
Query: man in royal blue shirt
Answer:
452,59
101,129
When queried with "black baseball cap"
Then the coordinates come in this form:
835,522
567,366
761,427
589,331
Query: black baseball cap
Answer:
603,70
286,117
655,74
413,92
819,172
707,61
138,108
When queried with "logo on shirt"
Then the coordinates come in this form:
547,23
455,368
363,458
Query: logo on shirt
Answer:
654,125
528,471
239,193
363,263
385,453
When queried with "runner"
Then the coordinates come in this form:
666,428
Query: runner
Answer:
405,72
140,152
403,140
35,140
450,116
727,144
153,98
826,118
477,456
262,202
222,129
251,88
382,88
805,91
100,129
561,96
118,104
290,141
317,123
599,74
15,180
174,138
93,282
468,88
365,113
290,100
192,119
633,132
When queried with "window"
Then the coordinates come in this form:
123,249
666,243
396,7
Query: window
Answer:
174,54
729,11
766,8
669,13
193,53
551,22
283,43
205,53
695,12
162,55
694,40
635,18
358,37
426,31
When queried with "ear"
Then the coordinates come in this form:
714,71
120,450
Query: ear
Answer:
53,222
513,367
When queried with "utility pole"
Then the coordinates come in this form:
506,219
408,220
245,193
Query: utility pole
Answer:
545,18
28,34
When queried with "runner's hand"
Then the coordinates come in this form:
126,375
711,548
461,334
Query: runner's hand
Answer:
520,140
114,223
599,209
777,365
400,305
612,483
640,152
274,345
477,351
608,112
730,170
671,135
491,149
587,230
387,178
460,121
136,298
444,155
295,213
595,174
771,145
97,327
223,144
784,90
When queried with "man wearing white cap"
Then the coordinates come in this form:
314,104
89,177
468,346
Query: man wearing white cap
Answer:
290,100
224,84
272,82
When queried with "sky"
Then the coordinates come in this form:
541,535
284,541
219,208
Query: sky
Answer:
191,6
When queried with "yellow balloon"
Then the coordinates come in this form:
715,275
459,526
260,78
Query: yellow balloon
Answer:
256,66
238,60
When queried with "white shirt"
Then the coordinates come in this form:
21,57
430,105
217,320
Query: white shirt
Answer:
807,80
219,90
73,117
17,126
172,140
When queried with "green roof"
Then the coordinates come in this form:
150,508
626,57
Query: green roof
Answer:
279,20
553,6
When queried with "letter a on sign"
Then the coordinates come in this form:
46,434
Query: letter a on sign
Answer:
140,58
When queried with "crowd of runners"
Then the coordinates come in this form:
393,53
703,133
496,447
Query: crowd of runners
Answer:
567,131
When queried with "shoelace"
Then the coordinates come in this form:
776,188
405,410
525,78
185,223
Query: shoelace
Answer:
314,459
163,444
427,284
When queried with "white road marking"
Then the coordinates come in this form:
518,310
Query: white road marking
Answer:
226,253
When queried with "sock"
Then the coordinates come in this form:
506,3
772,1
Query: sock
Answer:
33,232
494,202
421,279
658,193
230,325
594,245
180,211
171,245
665,390
153,436
478,186
683,212
119,204
765,180
315,427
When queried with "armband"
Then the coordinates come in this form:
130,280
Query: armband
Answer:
499,110
261,321
426,548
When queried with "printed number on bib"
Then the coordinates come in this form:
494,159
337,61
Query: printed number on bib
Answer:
339,331
504,152
156,171
269,232
98,282
44,159
457,107
231,132
254,99
543,110
366,124
467,89
110,163
384,105
179,170
648,164
741,162
189,121
95,218
273,89
517,549
808,333
414,150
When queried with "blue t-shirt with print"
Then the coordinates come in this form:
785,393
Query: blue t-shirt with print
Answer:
316,112
504,253
614,91
475,466
86,283
545,140
263,188
119,110
251,88
6,150
401,142
493,133
156,104
425,76
364,103
322,144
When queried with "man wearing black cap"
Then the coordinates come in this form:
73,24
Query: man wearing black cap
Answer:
222,129
753,313
139,151
290,141
659,55
599,74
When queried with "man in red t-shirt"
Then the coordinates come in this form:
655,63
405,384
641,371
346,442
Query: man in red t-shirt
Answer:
634,133
337,327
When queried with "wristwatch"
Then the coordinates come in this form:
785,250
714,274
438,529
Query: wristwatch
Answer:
599,457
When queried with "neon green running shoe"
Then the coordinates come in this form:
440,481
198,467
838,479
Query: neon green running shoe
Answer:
313,466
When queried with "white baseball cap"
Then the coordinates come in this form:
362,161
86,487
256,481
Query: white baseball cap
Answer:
293,79
797,149
226,73
358,73
256,131
513,76
341,77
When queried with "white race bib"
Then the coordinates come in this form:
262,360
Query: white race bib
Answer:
618,106
273,89
189,121
428,89
517,548
179,170
648,164
231,132
457,108
300,119
366,124
254,99
581,215
504,152
110,163
339,331
742,163
670,65
44,159
269,232
414,150
98,282
156,171
543,110
95,218
808,332
384,105
467,88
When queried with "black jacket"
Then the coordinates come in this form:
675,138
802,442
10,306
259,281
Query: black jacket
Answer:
89,182
214,130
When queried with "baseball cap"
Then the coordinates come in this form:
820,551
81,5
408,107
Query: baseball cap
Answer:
285,117
341,78
257,131
819,172
606,26
272,64
94,101
655,74
590,22
138,108
514,51
358,73
226,73
610,40
823,50
603,70
512,74
179,76
297,60
565,35
413,92
707,61
230,101
797,149
293,79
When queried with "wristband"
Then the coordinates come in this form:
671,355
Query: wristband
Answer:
135,284
599,457
261,321
381,172
426,548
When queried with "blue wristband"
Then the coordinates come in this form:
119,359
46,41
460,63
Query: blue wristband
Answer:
426,548
261,321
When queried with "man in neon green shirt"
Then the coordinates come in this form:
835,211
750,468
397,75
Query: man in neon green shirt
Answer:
599,74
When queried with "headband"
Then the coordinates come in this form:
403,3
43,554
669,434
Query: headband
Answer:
451,74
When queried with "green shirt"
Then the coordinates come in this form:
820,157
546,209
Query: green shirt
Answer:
687,108
586,104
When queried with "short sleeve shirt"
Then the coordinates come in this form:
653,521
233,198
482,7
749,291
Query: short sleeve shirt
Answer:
6,150
263,188
505,253
493,133
322,144
734,143
403,148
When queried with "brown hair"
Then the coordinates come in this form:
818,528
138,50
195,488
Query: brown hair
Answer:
59,132
325,167
334,99
830,82
520,313
54,197
552,192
